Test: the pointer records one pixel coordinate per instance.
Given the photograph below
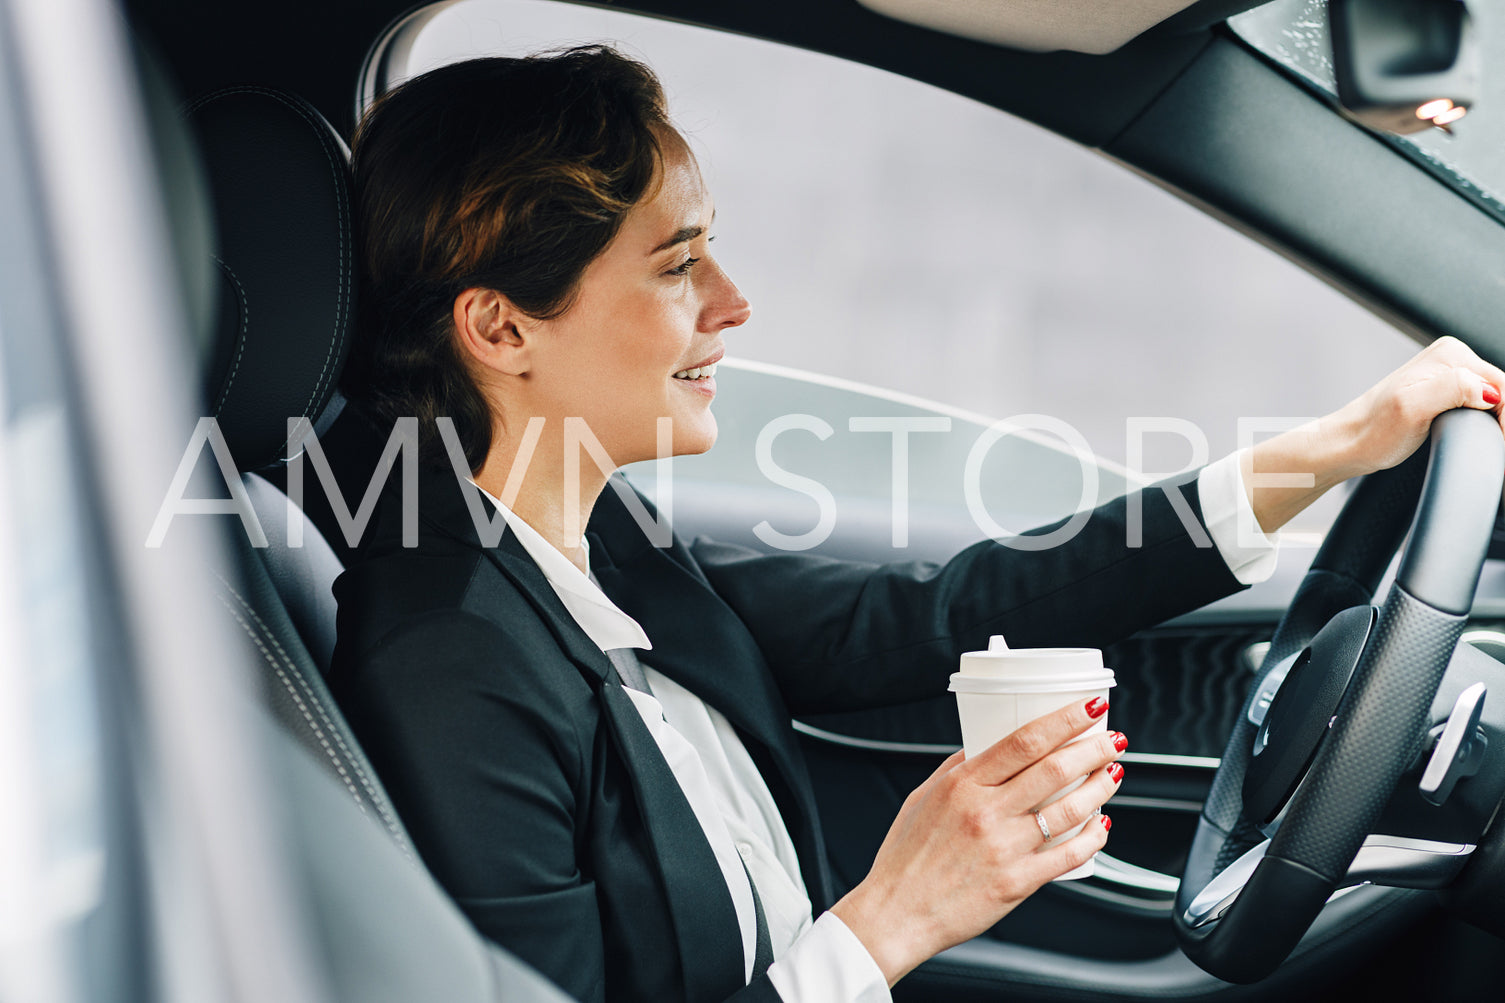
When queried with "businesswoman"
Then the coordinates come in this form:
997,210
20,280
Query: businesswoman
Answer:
587,729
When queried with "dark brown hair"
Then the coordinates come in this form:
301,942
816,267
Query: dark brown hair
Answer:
505,174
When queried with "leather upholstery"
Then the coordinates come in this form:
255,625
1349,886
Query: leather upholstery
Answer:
280,181
300,577
291,684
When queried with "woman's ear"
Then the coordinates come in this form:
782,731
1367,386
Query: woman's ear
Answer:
493,331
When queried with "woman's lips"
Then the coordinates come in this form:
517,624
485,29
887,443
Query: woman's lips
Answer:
697,373
701,377
705,384
709,362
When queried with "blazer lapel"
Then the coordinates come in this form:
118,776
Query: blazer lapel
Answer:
443,508
701,910
702,645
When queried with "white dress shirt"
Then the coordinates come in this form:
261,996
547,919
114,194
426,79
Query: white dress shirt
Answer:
820,961
1249,553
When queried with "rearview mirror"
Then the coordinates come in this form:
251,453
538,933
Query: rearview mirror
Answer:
1404,65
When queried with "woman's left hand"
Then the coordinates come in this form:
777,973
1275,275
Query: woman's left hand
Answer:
1376,430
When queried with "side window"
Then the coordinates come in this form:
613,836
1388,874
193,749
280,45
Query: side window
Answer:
911,252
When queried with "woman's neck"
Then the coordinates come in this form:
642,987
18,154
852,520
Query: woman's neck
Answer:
532,483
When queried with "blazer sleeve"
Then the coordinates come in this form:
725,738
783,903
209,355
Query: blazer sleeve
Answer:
484,766
843,636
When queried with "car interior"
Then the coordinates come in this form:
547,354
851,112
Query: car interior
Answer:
269,863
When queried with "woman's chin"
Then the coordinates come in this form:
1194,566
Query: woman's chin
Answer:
696,444
695,436
690,437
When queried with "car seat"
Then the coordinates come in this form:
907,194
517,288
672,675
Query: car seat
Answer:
272,346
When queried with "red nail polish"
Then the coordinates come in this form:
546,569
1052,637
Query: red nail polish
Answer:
1107,823
1120,741
1116,772
1491,395
1097,707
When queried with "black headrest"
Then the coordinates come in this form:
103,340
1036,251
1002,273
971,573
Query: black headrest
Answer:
279,176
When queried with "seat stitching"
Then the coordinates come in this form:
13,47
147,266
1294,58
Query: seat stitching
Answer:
240,337
302,708
334,731
342,215
307,690
359,771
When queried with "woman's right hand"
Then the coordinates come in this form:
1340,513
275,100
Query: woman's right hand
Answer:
962,852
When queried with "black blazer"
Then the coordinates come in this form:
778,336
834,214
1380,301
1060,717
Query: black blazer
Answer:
532,788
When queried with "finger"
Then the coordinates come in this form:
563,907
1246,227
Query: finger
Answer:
1494,385
1453,352
1493,375
1049,864
1472,389
1060,769
1441,389
1481,393
1081,804
1031,743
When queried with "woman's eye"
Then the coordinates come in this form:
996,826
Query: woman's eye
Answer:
683,269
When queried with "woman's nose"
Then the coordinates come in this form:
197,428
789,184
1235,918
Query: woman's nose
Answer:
727,307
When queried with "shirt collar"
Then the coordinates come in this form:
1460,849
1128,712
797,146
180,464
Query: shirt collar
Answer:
603,622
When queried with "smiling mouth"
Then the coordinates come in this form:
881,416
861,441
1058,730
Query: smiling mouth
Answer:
698,373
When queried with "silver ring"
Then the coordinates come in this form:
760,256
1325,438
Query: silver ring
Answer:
1044,826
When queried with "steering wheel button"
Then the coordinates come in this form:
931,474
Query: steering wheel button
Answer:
1268,687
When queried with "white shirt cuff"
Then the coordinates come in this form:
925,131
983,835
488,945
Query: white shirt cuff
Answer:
1249,552
828,964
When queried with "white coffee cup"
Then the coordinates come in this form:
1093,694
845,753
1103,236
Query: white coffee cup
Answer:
1002,689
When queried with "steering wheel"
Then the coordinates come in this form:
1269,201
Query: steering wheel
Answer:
1352,708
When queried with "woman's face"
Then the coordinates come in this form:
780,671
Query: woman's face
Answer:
645,330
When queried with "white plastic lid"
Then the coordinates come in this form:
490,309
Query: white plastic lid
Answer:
1000,661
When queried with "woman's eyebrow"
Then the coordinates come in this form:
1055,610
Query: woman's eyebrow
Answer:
682,235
